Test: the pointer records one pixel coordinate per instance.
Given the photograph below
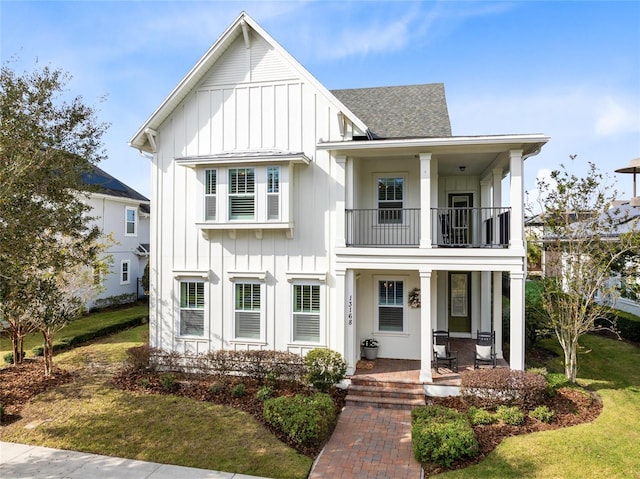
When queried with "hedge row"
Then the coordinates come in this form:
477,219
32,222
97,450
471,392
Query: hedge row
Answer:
77,339
627,324
494,387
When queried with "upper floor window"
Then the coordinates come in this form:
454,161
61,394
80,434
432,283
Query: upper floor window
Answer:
306,312
210,195
273,193
242,186
390,191
131,221
192,308
390,305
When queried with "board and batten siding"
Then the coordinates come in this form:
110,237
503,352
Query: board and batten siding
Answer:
253,99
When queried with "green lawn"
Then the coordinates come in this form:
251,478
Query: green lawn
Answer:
82,325
91,415
609,447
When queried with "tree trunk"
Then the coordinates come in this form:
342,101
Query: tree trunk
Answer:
48,353
571,361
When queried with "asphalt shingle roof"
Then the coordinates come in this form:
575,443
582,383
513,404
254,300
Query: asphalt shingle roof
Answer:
106,184
412,111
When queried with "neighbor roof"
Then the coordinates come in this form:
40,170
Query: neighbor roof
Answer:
106,184
412,111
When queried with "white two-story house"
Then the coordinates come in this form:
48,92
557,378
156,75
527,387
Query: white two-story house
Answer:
290,217
123,215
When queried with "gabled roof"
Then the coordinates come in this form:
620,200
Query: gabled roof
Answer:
102,182
239,27
413,111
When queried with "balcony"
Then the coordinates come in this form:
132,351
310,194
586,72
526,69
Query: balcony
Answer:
451,227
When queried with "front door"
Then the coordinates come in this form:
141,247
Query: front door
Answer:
461,218
460,302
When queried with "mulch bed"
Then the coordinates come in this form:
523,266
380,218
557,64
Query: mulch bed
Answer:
571,406
22,382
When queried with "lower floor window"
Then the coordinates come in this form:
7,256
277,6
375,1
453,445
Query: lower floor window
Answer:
247,312
124,272
191,308
391,306
306,312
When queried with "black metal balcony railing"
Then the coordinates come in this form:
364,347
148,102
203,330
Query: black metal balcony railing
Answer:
451,227
383,227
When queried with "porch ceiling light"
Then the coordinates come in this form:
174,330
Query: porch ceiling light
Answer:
462,167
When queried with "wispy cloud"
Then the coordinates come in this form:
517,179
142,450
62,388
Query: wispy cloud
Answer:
616,117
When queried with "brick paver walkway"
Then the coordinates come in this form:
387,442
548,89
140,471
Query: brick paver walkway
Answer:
369,442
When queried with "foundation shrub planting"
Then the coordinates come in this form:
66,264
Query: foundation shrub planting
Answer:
441,435
511,415
264,393
543,414
169,382
238,390
491,388
305,420
324,368
480,416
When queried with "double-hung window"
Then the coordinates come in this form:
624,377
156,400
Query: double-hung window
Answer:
125,272
306,313
247,311
210,195
390,306
242,197
130,221
390,192
273,193
191,308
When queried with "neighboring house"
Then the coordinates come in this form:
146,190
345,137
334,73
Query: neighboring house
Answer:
290,217
124,214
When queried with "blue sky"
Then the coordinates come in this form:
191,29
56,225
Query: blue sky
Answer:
570,70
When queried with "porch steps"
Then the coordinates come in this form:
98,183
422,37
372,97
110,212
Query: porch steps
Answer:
392,394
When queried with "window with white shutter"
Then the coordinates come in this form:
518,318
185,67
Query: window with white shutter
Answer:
390,306
191,308
273,193
306,313
242,186
247,313
210,195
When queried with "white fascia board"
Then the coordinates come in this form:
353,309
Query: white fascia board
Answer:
518,141
140,141
194,161
119,199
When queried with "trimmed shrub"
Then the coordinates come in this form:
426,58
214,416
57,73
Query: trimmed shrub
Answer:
264,393
169,382
216,388
493,387
8,358
511,415
139,358
543,414
238,390
441,435
38,351
144,382
263,366
557,381
480,416
307,420
324,368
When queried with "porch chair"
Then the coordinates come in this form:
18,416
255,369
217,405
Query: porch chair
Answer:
442,351
485,351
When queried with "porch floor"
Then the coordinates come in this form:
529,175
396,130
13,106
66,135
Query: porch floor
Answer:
406,370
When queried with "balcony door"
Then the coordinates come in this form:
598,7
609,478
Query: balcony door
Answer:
460,302
460,205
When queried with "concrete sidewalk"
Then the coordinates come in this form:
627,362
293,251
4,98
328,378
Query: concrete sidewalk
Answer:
21,461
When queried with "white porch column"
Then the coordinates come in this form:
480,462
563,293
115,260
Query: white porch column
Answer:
352,349
516,200
496,202
336,340
427,308
425,200
516,342
341,194
497,311
485,301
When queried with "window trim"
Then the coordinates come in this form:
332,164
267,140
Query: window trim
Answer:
179,308
135,220
320,314
126,262
249,280
253,195
376,303
215,195
376,199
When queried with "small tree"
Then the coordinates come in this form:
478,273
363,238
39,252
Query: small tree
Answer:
585,238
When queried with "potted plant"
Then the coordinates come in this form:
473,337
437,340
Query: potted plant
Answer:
370,348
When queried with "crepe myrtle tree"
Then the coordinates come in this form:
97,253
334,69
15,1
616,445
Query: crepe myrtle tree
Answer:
47,141
585,239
